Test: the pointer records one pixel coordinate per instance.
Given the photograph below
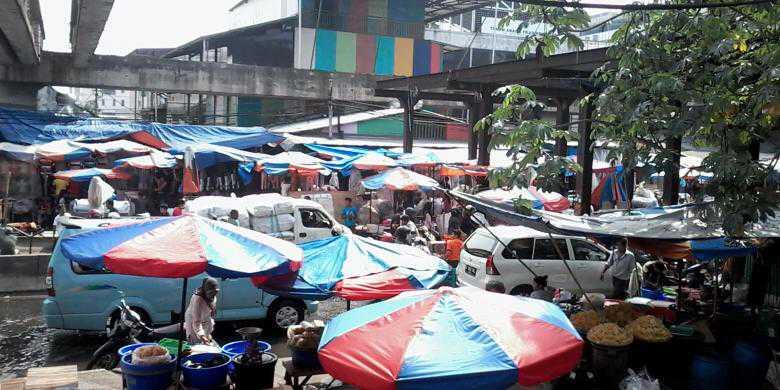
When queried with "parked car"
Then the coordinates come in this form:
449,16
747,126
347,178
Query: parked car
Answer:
484,259
81,298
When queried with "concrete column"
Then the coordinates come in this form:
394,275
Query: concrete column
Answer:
19,95
562,117
672,172
485,109
585,159
473,119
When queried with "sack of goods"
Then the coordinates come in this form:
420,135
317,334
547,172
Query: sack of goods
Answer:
261,205
218,207
306,335
150,355
273,223
284,207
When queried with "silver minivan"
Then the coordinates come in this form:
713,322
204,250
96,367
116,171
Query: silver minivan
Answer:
484,259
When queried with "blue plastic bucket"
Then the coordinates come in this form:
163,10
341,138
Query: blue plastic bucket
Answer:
709,372
127,349
749,365
147,377
205,378
239,347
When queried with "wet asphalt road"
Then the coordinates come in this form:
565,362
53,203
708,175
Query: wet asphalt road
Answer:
26,342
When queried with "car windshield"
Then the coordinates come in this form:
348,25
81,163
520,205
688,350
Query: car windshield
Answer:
480,245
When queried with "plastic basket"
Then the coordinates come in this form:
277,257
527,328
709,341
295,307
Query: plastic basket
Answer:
172,346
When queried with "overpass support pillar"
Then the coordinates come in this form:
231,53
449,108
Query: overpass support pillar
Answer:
408,100
672,172
485,109
19,95
562,117
585,159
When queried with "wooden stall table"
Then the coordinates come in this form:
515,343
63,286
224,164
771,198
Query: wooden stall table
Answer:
293,375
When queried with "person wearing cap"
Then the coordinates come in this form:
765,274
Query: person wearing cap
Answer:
201,312
541,291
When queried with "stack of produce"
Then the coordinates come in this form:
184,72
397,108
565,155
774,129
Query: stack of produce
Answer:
621,313
150,355
586,320
610,335
649,329
305,336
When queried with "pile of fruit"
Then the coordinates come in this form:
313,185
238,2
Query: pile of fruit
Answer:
305,336
621,313
610,335
649,329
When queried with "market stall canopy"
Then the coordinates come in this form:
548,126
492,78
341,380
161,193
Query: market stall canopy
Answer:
720,248
399,179
31,127
550,201
65,150
82,175
337,152
25,153
301,163
358,268
374,161
149,161
182,247
420,159
464,338
207,155
685,222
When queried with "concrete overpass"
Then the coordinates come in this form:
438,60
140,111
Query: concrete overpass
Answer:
87,21
22,31
208,78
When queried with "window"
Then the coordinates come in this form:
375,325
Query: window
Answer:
544,249
313,218
480,245
84,270
521,248
584,250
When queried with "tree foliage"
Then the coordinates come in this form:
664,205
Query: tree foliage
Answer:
710,76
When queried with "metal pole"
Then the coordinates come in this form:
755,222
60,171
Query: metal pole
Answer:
299,65
330,109
135,105
181,328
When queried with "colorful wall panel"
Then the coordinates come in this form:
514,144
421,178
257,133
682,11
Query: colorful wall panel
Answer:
404,57
339,51
346,51
456,132
385,56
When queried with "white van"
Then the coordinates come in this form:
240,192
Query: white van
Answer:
484,259
292,219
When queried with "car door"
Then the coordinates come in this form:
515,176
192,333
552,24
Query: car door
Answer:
240,300
546,261
312,224
589,261
510,260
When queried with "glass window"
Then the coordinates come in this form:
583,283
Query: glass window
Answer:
584,250
84,270
313,218
480,245
544,249
521,248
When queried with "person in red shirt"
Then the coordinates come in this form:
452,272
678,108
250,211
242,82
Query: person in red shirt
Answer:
179,209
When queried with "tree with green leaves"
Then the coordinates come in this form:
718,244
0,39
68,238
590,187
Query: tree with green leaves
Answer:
709,74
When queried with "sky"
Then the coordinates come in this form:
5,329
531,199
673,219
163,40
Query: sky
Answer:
136,24
140,23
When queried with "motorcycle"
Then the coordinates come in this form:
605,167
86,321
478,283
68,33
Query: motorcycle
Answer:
125,330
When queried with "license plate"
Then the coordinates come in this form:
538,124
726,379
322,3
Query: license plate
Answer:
471,270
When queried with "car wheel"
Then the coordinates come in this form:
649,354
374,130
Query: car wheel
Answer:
522,290
285,312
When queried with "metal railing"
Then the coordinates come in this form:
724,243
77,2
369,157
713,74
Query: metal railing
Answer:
429,130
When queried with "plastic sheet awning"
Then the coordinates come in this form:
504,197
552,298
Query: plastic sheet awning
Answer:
463,338
284,162
720,248
550,201
399,179
31,127
337,152
207,155
181,247
373,161
358,268
85,175
149,161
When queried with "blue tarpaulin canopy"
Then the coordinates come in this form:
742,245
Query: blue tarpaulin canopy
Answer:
719,248
207,155
30,127
337,152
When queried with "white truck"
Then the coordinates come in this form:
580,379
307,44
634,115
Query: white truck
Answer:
296,220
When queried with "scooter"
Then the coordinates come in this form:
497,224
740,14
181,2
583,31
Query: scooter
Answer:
124,331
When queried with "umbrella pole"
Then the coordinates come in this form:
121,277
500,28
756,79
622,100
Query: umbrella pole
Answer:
370,207
349,305
181,328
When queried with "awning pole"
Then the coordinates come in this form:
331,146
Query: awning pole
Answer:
181,328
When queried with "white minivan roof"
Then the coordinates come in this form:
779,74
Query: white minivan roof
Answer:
509,233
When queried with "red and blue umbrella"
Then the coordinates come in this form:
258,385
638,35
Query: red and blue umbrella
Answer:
357,268
400,179
87,174
463,338
182,247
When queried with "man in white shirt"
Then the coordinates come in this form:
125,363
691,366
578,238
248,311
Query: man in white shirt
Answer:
622,263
